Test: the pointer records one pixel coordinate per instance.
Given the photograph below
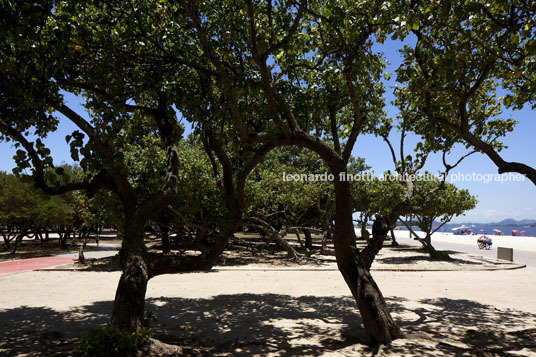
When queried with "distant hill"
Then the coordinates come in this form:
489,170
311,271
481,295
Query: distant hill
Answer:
508,222
513,222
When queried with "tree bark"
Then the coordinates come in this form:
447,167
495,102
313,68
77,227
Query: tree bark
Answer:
299,239
426,241
129,303
63,237
326,237
379,325
291,252
427,245
308,239
18,240
394,243
379,234
164,232
6,240
364,232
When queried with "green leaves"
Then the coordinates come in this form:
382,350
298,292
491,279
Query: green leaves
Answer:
463,55
530,46
443,204
23,205
281,201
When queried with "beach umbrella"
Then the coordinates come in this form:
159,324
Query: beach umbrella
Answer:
497,230
458,228
523,232
515,231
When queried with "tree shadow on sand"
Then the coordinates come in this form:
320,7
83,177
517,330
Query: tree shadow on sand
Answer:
44,331
409,259
259,324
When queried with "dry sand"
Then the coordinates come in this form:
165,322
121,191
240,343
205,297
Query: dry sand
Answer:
262,310
516,242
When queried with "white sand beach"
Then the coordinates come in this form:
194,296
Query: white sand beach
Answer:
516,242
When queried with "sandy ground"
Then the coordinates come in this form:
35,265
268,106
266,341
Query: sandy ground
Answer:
269,311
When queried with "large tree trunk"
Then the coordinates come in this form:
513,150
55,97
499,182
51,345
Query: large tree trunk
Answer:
428,237
128,309
308,239
164,232
427,245
364,232
426,242
394,243
139,266
326,237
379,325
380,228
64,236
281,241
6,240
18,240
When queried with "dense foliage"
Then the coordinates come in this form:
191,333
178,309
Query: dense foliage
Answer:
250,78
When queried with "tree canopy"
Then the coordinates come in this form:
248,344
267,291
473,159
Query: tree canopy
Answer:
250,78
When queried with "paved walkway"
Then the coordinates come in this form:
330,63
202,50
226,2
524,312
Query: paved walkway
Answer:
15,266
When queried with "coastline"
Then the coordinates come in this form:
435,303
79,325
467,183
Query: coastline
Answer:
515,242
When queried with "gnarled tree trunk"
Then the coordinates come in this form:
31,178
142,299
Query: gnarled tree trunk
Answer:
164,232
128,310
139,266
426,241
379,325
308,239
394,243
380,227
18,240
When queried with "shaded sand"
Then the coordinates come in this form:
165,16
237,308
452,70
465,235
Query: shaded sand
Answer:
401,258
274,312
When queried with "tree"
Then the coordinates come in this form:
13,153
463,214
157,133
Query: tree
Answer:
17,204
50,50
136,71
308,69
25,210
251,77
280,203
465,53
442,205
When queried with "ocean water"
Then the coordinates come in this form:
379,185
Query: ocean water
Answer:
484,229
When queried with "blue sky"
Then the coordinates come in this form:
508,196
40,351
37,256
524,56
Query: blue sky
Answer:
496,200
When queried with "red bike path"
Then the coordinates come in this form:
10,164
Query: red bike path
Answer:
15,266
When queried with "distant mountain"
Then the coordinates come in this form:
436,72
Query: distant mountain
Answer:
508,222
513,222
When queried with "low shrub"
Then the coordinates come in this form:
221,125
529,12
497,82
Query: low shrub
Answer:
107,341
